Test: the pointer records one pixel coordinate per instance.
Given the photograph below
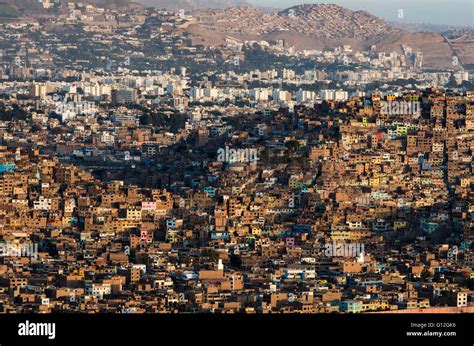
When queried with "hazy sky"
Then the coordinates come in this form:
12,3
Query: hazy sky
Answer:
454,12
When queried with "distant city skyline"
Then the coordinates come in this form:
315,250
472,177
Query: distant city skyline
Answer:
448,12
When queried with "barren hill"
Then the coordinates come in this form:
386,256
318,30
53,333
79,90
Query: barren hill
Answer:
326,26
323,21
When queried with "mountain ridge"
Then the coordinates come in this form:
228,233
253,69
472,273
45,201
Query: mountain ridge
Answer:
326,26
194,5
305,27
318,20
